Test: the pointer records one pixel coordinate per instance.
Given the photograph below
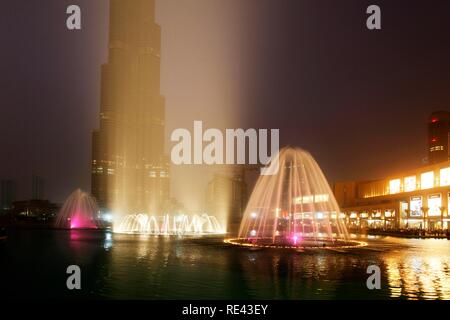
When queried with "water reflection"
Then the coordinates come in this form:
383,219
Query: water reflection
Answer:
303,276
164,267
422,272
149,267
168,267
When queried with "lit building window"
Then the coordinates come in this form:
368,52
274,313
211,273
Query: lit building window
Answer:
416,207
434,205
410,183
394,186
445,177
427,180
437,148
318,198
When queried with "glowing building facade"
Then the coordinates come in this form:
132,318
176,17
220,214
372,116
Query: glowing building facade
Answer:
415,199
130,172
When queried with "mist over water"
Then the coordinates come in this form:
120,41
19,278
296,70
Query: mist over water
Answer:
203,77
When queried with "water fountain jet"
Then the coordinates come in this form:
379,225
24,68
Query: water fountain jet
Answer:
294,208
80,211
181,224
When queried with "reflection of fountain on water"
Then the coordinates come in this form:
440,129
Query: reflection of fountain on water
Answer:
169,225
80,211
293,208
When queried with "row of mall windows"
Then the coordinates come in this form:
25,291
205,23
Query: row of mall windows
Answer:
416,207
427,180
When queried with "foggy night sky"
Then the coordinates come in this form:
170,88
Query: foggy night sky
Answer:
358,100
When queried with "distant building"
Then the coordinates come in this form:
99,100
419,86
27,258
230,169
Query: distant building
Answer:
37,188
7,195
130,171
438,137
226,198
35,210
414,199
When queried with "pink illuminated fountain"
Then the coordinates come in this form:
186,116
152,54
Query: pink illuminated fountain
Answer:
293,208
80,211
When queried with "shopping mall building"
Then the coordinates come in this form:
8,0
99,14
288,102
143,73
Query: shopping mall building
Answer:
414,199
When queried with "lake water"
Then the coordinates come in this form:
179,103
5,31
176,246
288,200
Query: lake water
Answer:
33,265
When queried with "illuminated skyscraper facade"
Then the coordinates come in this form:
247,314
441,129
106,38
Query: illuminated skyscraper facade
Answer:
439,137
130,171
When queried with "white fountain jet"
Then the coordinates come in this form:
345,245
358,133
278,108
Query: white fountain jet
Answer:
293,207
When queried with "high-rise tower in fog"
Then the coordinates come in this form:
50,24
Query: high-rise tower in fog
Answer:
439,137
130,172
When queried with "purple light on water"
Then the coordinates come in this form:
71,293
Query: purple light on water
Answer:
79,221
78,212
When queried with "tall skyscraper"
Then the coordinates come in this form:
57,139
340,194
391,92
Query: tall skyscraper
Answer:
7,195
130,171
37,188
438,137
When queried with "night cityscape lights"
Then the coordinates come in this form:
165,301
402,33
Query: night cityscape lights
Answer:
218,153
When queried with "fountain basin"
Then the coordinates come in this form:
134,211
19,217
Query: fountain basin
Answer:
306,243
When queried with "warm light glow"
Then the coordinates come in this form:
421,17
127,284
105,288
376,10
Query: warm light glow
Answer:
434,205
410,184
318,198
181,224
445,177
350,244
394,186
297,200
416,207
427,180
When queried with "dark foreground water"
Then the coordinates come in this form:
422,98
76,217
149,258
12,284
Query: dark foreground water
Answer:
33,265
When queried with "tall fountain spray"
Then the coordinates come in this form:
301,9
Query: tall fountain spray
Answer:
294,207
80,211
